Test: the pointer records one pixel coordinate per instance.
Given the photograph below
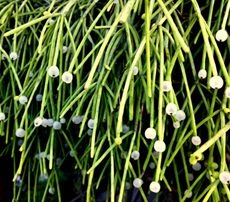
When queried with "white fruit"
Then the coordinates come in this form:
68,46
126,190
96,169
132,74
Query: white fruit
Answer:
37,122
2,116
159,146
227,92
156,154
67,77
76,120
224,177
152,165
150,133
135,155
196,140
216,82
3,57
13,56
89,132
56,125
189,195
91,123
196,166
20,132
31,74
39,97
221,35
137,183
154,187
135,70
171,109
127,185
53,71
65,49
23,99
62,120
191,177
167,86
125,129
180,115
202,74
176,124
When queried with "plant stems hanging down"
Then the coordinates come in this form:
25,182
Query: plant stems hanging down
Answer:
113,104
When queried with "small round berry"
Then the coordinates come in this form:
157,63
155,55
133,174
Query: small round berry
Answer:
23,99
51,122
53,71
196,140
20,142
171,109
127,186
3,57
191,177
118,141
51,190
216,82
116,1
20,132
76,120
82,117
156,154
7,110
42,154
45,122
48,156
224,177
167,86
2,116
196,166
135,70
154,187
31,74
13,56
62,120
221,35
58,161
189,195
90,123
122,155
202,74
51,21
39,97
89,132
227,92
137,183
56,125
65,49
67,77
159,146
180,115
72,153
150,133
135,154
176,124
152,165
125,129
37,122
